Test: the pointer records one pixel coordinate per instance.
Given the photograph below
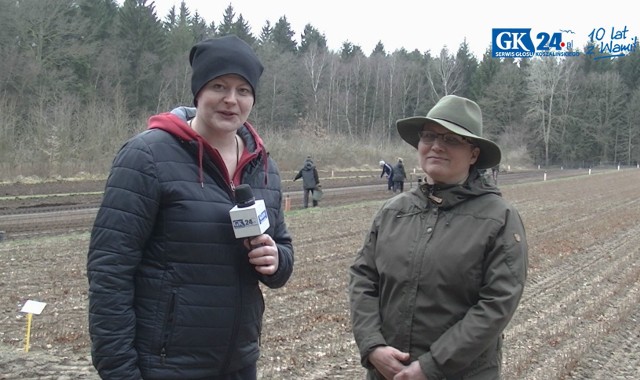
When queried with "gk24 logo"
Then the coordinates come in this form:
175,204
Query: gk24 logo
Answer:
517,43
242,223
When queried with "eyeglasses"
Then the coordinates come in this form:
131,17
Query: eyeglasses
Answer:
449,139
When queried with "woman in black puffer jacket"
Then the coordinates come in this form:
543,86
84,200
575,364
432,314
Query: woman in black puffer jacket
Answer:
172,293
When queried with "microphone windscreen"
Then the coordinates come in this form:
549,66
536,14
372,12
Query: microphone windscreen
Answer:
244,195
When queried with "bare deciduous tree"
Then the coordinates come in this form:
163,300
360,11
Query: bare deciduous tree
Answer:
445,76
603,109
544,78
315,61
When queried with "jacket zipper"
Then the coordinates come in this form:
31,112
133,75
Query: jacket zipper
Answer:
167,327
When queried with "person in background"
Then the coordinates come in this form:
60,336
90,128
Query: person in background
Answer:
443,268
172,293
494,173
310,181
484,175
399,176
388,171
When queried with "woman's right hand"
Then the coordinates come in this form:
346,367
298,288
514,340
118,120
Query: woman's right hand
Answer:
388,360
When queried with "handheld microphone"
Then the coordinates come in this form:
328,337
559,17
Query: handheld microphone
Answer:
249,216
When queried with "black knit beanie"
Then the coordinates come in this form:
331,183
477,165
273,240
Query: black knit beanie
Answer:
214,57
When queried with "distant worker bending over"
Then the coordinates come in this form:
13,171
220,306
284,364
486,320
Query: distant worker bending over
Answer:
388,171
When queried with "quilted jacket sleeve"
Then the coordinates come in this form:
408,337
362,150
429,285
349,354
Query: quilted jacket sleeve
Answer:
281,236
122,226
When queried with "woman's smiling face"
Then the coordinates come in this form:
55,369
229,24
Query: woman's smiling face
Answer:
446,158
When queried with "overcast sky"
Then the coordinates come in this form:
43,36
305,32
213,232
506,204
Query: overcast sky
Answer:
422,25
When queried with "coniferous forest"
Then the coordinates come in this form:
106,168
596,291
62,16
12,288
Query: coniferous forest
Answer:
78,77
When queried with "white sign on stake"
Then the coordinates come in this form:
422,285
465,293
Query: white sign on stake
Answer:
33,307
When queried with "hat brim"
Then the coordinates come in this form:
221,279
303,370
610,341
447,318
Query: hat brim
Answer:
408,129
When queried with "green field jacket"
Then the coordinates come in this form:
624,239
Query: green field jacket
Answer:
439,276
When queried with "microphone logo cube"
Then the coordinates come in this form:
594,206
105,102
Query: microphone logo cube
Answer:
262,217
249,221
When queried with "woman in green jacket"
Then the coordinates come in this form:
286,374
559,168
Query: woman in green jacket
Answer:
443,268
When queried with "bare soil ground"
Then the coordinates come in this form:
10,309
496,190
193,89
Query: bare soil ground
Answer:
578,318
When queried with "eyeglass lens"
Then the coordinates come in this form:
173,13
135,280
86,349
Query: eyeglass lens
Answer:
450,139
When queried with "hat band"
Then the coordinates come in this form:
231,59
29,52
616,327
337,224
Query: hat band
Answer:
453,122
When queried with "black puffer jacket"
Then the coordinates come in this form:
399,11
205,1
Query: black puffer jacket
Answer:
171,292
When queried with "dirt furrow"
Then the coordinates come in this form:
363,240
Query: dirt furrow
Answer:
548,336
616,356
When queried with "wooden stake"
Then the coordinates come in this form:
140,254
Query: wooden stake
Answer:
27,338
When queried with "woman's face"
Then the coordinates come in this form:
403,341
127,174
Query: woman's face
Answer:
225,102
447,158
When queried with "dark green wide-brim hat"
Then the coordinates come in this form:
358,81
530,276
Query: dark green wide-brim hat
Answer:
460,116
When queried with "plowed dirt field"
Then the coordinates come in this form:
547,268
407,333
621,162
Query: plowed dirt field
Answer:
579,317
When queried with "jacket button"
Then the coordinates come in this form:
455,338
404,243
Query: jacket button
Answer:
429,230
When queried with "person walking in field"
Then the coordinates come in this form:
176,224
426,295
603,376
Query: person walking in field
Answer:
310,181
387,170
399,176
443,268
